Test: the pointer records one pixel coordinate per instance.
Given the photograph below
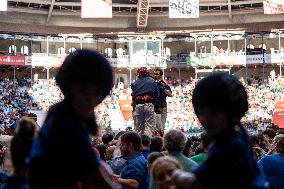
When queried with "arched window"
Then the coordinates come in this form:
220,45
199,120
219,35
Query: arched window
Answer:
120,51
12,49
25,50
72,49
167,52
61,51
108,52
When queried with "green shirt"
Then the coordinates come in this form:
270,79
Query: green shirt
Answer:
200,158
186,163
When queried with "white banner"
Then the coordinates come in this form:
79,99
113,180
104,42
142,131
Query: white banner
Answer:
273,6
258,59
47,61
3,5
277,58
96,8
183,8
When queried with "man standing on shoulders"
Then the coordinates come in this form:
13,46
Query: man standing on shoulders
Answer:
134,174
144,94
161,104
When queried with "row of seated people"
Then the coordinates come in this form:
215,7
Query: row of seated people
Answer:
146,161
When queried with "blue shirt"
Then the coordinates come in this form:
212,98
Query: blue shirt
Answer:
136,169
145,153
273,168
162,101
62,152
230,164
145,85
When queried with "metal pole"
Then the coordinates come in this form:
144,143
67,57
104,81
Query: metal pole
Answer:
47,46
14,73
64,44
211,44
279,41
263,60
280,69
195,45
15,49
130,75
228,44
47,73
31,76
81,42
179,73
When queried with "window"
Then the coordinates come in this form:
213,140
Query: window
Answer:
61,51
108,52
167,52
12,49
72,49
120,51
25,50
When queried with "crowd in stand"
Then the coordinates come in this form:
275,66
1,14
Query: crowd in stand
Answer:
20,97
14,101
70,152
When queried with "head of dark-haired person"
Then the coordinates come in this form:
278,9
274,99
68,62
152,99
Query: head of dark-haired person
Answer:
85,79
219,101
21,144
107,138
146,141
158,73
131,144
102,150
142,72
156,144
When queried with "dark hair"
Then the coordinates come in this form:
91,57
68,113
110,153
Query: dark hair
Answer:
83,67
22,141
254,139
86,67
187,147
119,134
102,150
146,140
270,133
153,156
221,92
156,144
160,71
134,138
107,138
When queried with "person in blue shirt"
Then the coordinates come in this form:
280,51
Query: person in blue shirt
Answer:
161,104
135,173
62,156
146,141
144,95
273,164
220,101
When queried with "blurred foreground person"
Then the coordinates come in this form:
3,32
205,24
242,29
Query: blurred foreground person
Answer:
62,156
20,148
220,101
273,164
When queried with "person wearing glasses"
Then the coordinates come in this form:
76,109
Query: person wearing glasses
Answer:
161,104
